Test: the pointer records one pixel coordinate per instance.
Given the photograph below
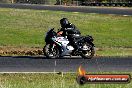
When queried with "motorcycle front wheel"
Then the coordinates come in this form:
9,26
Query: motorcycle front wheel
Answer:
50,51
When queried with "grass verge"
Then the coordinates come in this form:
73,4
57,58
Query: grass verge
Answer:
49,81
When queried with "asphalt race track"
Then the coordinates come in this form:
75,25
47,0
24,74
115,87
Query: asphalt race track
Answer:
67,64
104,10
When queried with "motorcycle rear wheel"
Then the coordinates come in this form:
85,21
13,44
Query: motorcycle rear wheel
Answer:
88,54
51,53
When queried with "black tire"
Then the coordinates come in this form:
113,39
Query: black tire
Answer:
90,55
47,53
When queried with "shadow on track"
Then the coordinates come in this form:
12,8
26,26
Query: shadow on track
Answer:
43,57
68,57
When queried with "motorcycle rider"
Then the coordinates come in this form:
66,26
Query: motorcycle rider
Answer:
68,29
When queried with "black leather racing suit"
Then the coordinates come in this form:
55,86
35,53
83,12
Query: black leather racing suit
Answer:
71,32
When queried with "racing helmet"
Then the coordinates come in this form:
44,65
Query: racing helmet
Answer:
64,22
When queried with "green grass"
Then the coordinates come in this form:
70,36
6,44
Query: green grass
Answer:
49,81
26,28
114,52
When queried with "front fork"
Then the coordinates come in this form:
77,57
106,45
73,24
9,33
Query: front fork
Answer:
52,46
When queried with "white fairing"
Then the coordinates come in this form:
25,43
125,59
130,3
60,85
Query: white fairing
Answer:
70,48
62,40
64,43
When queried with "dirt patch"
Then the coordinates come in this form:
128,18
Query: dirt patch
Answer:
20,51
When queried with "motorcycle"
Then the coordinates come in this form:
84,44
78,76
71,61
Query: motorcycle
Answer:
58,46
